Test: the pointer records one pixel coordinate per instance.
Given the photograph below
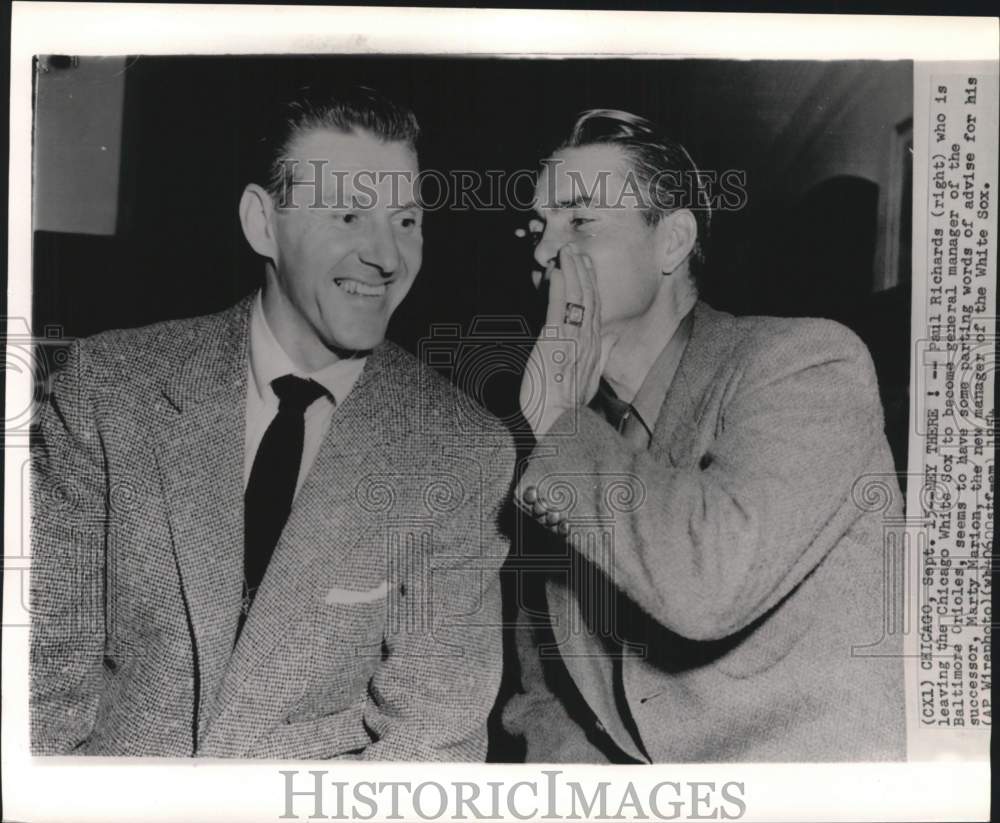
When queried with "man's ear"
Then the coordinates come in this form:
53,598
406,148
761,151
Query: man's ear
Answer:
678,235
257,219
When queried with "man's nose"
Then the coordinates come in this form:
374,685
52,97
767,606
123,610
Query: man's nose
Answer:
547,250
379,249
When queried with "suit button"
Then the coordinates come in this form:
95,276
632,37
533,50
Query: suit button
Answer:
529,495
600,727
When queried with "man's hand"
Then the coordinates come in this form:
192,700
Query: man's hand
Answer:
565,366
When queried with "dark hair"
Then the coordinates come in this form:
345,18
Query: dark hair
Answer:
342,108
653,156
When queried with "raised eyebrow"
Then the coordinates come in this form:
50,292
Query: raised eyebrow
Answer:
412,204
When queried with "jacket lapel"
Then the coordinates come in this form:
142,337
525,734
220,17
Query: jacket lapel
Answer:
200,458
675,434
587,658
328,519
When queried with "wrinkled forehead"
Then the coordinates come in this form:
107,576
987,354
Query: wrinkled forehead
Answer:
345,167
595,176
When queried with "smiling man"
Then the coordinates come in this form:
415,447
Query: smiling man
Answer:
254,533
714,577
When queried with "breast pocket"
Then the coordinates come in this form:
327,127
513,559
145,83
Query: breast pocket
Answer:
343,633
336,596
307,737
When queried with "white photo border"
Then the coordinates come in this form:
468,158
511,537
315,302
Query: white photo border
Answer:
104,789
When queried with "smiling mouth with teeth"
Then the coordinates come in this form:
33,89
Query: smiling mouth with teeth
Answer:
362,289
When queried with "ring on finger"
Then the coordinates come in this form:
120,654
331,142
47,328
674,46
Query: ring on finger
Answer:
574,314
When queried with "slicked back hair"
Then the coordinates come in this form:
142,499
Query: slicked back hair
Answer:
652,155
344,109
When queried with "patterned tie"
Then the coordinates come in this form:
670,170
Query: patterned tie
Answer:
268,498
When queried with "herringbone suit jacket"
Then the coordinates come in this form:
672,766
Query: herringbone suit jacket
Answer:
725,595
375,632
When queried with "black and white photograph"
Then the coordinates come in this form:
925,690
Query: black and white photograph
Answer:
498,409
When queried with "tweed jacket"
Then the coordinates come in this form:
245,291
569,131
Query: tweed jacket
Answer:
375,632
723,594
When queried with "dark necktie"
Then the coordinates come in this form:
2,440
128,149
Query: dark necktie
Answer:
623,416
627,421
268,498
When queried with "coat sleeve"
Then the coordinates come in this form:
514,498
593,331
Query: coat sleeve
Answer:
707,549
432,694
68,515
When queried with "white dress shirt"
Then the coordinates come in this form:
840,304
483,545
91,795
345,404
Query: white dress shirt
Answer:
269,361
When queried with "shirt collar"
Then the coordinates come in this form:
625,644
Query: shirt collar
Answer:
268,360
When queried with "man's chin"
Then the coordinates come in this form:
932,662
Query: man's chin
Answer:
355,347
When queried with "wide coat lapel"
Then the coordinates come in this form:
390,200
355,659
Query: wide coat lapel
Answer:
200,458
676,432
585,651
327,521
